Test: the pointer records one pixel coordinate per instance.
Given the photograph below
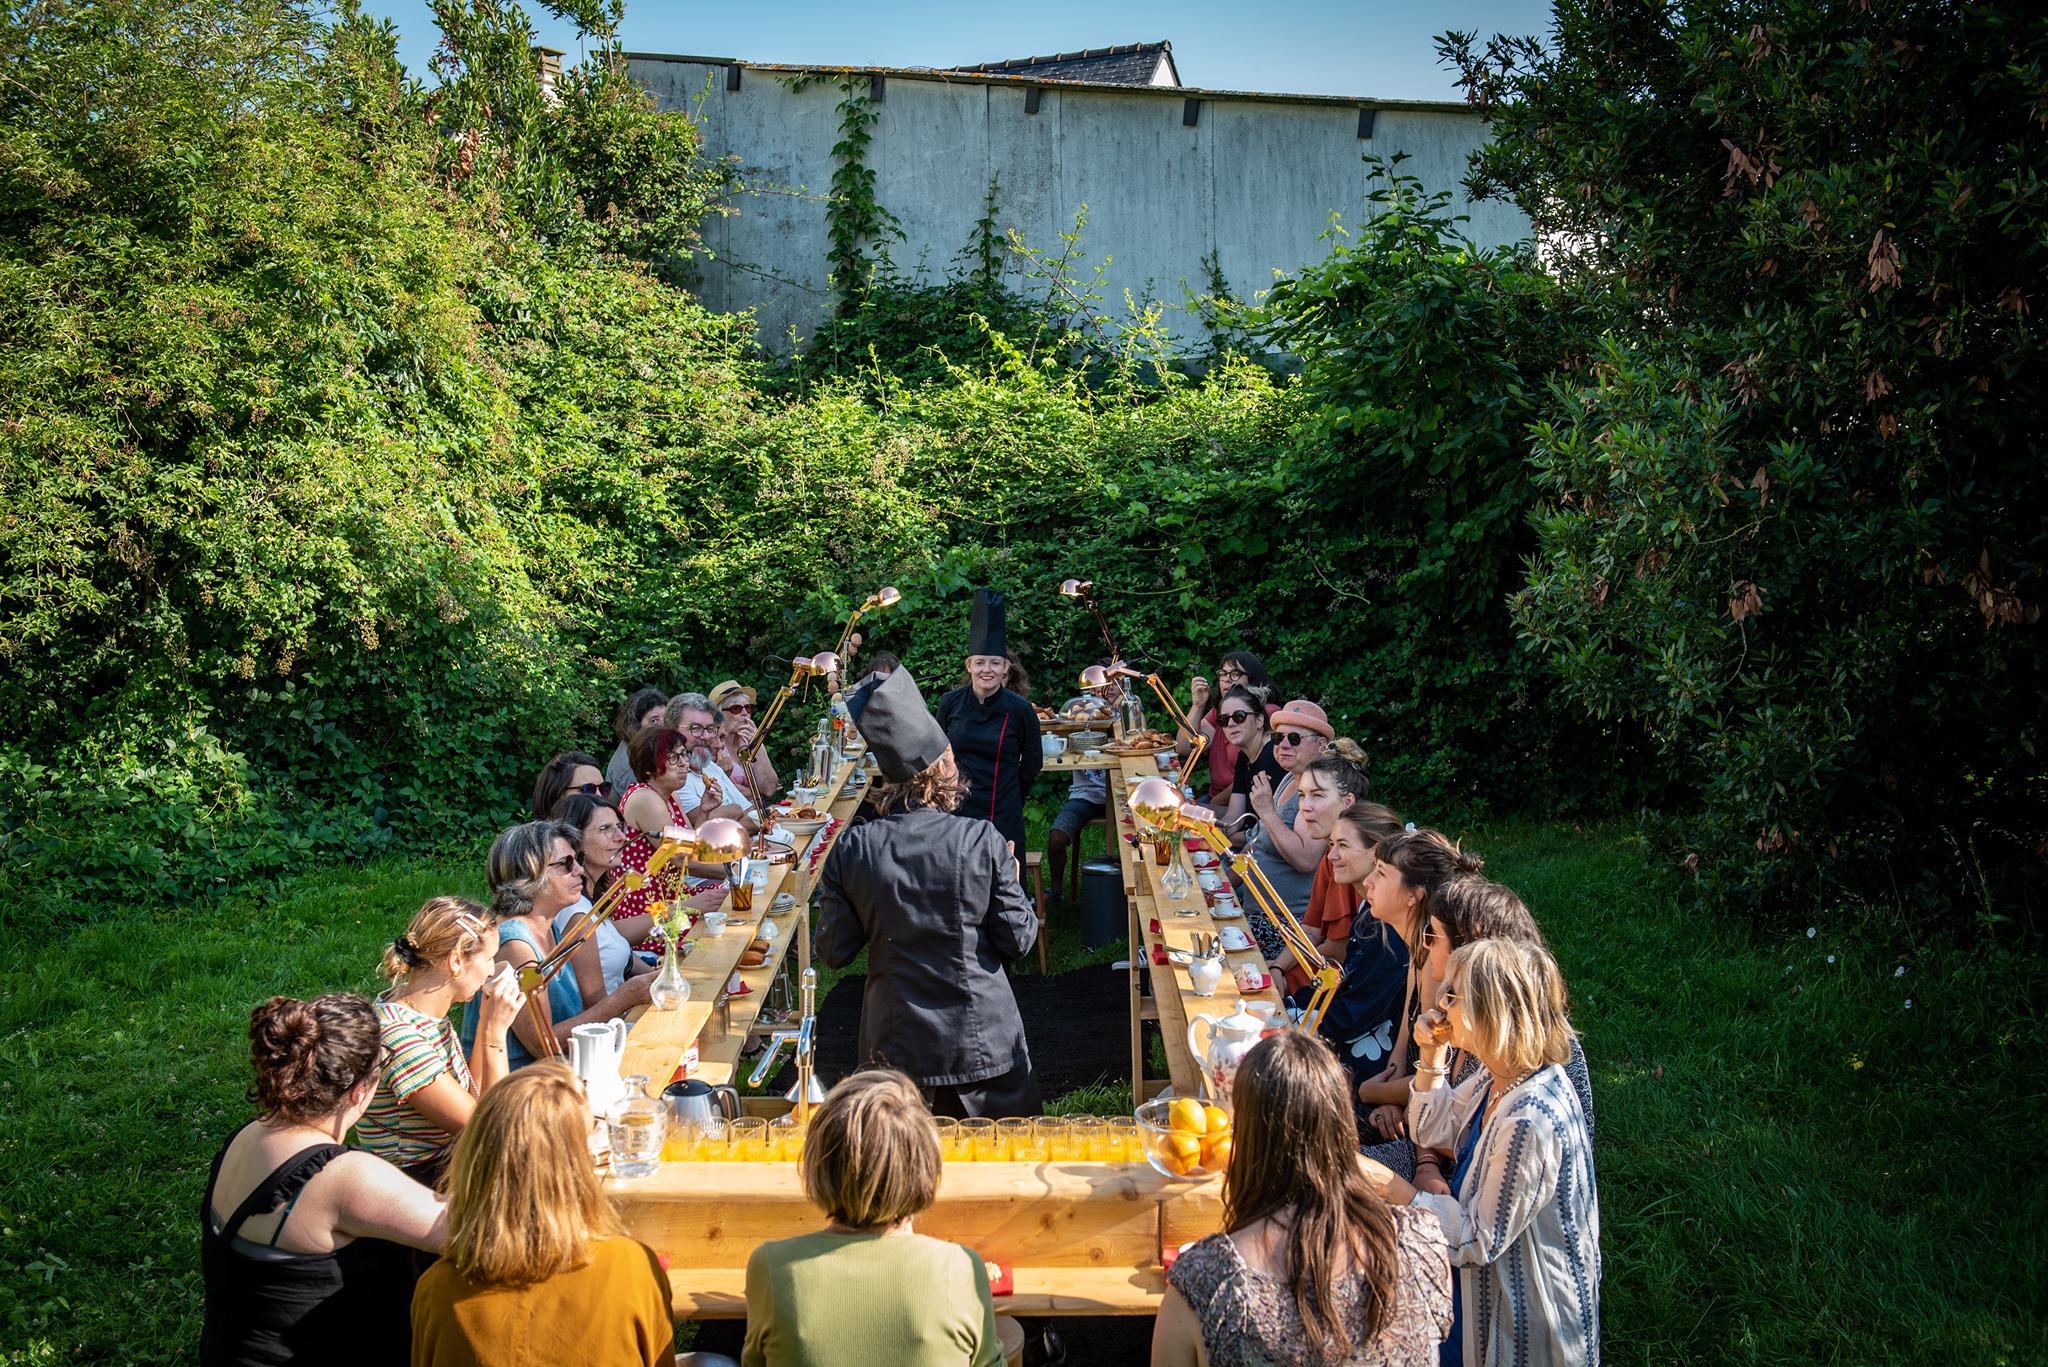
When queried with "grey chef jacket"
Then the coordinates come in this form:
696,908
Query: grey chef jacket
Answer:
935,899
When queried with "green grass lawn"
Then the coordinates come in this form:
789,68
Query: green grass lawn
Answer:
1795,1167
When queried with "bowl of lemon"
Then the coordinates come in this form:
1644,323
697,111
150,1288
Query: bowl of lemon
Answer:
1185,1139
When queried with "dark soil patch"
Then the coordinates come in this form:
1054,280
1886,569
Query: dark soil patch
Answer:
1078,1025
1091,1340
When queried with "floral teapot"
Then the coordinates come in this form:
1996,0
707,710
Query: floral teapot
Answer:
1229,1040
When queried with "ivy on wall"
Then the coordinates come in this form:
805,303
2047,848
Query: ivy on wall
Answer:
853,216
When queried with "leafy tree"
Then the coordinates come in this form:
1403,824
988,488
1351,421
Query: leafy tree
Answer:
1794,507
1407,491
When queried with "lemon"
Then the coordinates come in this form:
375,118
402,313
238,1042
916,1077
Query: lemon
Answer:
1218,1121
1186,1116
1181,1152
1216,1152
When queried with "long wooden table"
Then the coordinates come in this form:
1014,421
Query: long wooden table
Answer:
718,1025
1080,1238
1173,1001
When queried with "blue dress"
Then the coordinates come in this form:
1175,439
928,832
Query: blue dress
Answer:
565,999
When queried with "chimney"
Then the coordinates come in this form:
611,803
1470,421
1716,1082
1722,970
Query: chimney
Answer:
550,59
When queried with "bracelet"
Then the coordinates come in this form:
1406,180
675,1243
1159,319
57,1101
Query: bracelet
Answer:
1429,1158
1442,1070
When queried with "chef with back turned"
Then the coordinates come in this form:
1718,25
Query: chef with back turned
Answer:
935,899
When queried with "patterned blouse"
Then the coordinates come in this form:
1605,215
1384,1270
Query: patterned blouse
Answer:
1524,1225
417,1049
1249,1319
633,856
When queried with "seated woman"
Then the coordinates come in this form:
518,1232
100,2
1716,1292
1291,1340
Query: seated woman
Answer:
1239,669
307,1247
735,703
1243,717
867,1289
426,1088
640,710
1285,856
534,873
1329,786
1367,1014
1476,908
661,759
605,958
572,771
1524,1223
538,1272
1407,869
1313,1266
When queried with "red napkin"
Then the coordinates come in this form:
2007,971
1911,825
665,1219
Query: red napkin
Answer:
1153,925
1002,1279
1159,955
1194,844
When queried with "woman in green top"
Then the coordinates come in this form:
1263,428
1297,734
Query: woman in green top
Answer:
866,1291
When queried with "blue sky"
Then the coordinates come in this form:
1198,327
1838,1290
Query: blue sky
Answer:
1318,47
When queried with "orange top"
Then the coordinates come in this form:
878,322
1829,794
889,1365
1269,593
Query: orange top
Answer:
611,1312
1331,907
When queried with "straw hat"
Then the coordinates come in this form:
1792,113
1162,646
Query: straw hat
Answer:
730,689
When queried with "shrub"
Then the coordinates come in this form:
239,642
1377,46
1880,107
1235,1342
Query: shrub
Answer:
1794,504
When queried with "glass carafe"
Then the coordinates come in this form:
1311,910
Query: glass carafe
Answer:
639,1126
670,989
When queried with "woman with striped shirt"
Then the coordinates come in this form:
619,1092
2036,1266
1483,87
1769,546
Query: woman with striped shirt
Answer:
426,1089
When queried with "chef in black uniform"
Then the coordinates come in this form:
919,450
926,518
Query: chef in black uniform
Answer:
935,899
994,732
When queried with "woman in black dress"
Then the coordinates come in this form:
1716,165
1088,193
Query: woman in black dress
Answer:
994,732
307,1246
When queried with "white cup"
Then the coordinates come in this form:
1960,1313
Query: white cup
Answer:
714,922
1233,939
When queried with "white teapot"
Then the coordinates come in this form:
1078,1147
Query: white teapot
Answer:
595,1052
1230,1039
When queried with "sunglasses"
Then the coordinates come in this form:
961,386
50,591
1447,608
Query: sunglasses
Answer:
738,709
1235,718
1291,737
595,789
565,863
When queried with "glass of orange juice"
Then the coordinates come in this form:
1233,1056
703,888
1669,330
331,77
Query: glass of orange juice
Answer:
979,1136
1091,1138
1130,1140
949,1138
785,1139
749,1139
1012,1133
713,1144
1056,1133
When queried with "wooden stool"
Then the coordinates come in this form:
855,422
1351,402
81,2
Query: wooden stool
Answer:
1034,865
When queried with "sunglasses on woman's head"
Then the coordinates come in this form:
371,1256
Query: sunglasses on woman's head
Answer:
1235,718
595,789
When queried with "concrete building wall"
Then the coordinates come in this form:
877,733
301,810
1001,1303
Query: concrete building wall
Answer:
1254,182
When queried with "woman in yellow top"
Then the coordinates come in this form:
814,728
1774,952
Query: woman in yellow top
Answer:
867,1291
537,1271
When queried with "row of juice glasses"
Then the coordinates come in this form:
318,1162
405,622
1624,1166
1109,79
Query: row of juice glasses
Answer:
750,1139
1046,1139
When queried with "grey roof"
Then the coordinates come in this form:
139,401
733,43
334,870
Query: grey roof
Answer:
1131,64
